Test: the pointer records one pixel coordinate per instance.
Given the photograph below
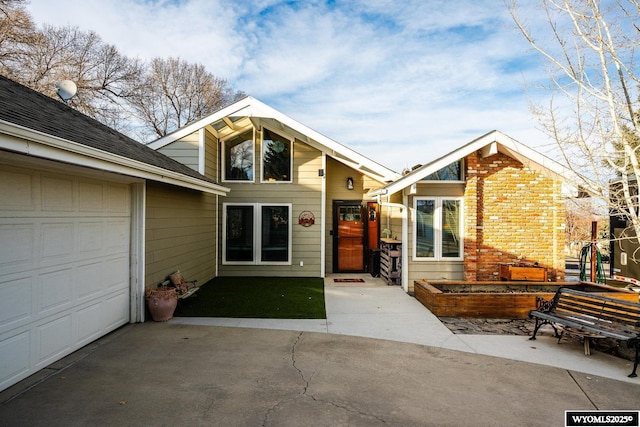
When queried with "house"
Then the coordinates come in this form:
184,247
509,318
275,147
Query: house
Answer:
88,217
297,205
488,202
624,250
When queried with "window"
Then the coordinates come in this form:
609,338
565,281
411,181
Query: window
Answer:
276,157
275,234
452,172
238,157
239,228
438,228
257,233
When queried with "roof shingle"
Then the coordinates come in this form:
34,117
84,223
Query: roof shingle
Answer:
30,109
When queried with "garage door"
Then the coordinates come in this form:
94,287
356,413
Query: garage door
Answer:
64,266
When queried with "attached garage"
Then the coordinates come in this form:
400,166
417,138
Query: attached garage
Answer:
72,228
65,263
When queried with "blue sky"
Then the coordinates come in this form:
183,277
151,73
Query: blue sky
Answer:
402,82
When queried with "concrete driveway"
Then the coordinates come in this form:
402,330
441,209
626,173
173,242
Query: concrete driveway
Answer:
164,374
380,358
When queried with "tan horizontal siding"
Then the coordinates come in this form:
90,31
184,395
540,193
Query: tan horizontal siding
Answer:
272,271
435,270
180,234
211,155
184,150
304,194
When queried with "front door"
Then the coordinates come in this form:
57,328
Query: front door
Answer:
348,236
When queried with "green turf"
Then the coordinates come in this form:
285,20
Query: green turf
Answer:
257,297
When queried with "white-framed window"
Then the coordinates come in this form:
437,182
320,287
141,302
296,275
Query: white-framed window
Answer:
238,153
277,157
437,231
257,233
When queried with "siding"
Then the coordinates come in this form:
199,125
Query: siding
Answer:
180,233
304,194
211,156
184,150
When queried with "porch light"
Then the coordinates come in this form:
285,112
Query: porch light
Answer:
349,183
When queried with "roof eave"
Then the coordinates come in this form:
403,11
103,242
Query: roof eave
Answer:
490,143
230,110
253,108
34,143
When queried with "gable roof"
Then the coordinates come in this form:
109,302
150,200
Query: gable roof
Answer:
491,143
229,119
48,128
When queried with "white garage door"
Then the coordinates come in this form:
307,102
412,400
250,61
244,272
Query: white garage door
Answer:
64,266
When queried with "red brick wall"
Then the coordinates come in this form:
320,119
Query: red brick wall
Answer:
512,214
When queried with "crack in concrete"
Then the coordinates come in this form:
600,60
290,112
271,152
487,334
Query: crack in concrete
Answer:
293,363
305,389
265,421
350,410
575,380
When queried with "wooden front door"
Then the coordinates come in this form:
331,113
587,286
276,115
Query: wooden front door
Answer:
349,236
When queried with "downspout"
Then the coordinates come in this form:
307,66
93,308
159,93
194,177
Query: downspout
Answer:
323,213
137,266
404,238
217,236
201,151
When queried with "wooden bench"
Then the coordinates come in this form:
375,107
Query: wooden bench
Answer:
592,314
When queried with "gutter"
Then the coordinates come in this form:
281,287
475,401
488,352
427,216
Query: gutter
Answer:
404,276
34,143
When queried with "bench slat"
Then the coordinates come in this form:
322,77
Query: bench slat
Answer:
628,319
603,309
616,318
581,325
595,314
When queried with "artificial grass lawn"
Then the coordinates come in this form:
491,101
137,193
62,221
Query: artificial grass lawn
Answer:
257,297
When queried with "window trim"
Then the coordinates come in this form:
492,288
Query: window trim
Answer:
224,158
262,146
257,234
437,229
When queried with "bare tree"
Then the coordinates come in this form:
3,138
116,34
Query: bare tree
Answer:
105,78
17,31
580,213
589,47
174,92
143,100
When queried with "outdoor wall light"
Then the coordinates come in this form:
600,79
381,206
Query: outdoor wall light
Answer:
349,183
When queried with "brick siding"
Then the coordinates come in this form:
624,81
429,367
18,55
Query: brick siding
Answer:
512,214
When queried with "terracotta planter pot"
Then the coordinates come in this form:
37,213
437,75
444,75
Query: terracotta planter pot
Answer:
162,303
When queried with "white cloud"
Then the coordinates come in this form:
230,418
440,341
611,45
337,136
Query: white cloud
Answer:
400,84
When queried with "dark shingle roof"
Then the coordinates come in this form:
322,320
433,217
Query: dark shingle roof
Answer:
25,107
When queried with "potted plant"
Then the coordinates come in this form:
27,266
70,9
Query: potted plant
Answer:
162,302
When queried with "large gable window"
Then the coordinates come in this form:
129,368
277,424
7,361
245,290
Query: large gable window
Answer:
257,233
238,152
451,172
438,228
276,157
